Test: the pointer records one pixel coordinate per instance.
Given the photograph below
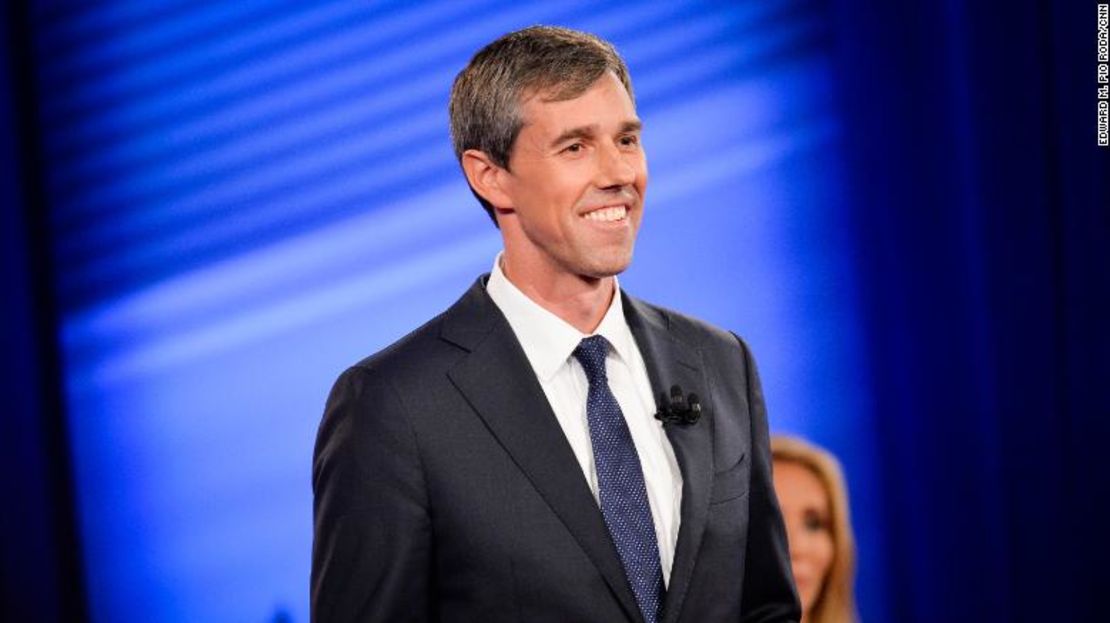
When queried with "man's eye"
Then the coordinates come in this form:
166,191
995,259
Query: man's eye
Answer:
573,148
629,141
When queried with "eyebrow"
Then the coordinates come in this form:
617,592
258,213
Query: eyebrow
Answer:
588,131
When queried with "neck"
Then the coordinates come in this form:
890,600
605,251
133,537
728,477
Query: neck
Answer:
579,301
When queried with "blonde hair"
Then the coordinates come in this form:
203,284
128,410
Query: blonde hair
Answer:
836,603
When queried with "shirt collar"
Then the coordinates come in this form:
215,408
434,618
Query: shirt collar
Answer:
548,340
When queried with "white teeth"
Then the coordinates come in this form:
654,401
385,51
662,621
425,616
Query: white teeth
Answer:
607,215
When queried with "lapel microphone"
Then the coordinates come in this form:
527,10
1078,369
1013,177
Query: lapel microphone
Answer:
678,410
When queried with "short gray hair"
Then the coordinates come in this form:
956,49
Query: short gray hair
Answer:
487,94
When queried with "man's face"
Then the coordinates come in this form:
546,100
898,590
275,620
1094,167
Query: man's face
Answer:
576,182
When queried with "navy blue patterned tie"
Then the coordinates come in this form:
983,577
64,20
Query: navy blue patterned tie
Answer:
620,482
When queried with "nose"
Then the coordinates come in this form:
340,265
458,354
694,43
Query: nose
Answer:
615,168
801,542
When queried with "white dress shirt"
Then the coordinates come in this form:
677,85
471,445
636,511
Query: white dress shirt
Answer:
549,342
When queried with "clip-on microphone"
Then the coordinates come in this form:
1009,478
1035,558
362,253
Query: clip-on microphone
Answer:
678,410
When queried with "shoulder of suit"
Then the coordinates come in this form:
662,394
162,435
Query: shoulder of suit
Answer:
693,330
424,352
417,352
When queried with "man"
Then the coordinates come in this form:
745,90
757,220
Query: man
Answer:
503,462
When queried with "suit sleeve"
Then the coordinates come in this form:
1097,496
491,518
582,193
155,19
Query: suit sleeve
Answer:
371,552
769,594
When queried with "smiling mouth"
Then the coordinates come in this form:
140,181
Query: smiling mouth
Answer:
608,214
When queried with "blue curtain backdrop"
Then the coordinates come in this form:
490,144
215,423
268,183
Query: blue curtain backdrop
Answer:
982,208
216,207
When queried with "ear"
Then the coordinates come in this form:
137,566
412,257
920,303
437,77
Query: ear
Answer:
486,178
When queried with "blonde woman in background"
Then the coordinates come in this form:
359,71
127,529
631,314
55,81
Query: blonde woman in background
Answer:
814,501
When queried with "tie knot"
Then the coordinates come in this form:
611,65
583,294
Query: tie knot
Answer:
591,353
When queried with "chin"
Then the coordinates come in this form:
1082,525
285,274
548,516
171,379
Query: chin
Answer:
610,265
601,271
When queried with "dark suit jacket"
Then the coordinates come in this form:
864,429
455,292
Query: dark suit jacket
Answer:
445,489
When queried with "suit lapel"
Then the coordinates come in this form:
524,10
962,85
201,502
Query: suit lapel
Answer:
497,380
670,361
